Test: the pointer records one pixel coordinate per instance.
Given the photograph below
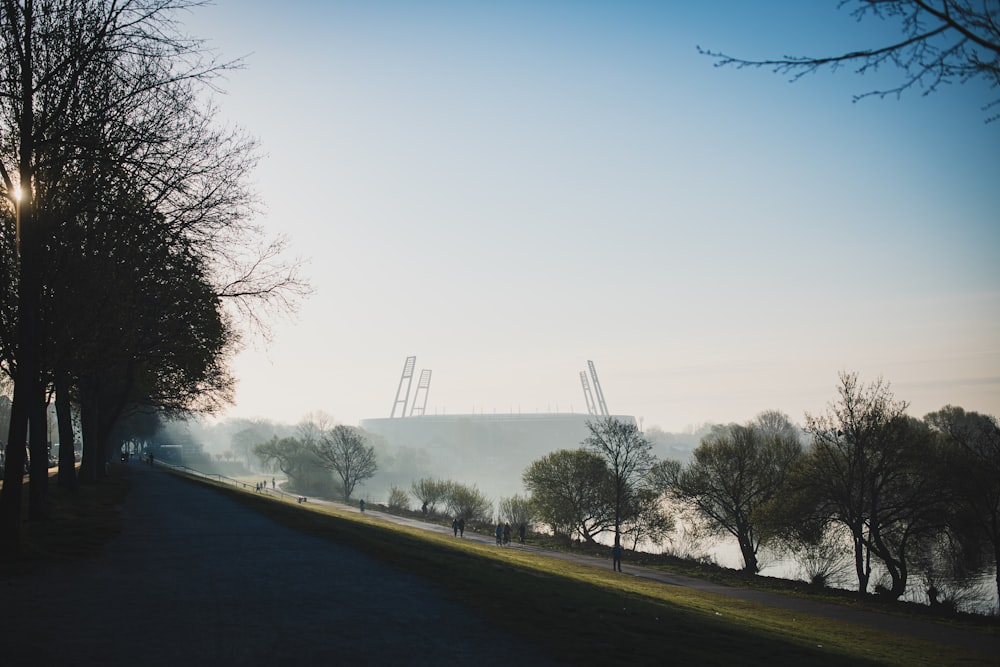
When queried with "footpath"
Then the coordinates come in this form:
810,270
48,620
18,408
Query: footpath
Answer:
196,578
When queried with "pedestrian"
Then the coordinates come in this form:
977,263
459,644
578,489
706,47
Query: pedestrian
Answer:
461,527
520,533
454,527
499,532
362,505
616,557
272,483
506,533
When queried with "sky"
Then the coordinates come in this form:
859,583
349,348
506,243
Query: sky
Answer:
508,190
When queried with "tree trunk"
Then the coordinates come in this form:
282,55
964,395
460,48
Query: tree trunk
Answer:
996,569
30,241
13,480
67,446
859,564
90,429
750,563
38,490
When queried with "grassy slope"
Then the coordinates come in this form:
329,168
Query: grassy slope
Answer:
590,615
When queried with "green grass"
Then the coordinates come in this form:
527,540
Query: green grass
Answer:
580,614
589,615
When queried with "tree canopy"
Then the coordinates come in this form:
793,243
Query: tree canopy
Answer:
737,471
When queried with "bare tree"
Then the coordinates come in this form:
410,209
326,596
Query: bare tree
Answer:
628,455
89,84
941,42
343,450
867,470
429,492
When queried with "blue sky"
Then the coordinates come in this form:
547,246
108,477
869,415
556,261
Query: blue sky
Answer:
506,190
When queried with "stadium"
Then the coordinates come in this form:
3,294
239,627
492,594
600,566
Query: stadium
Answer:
490,450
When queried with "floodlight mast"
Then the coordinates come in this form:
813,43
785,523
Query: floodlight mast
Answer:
602,407
424,383
407,376
587,395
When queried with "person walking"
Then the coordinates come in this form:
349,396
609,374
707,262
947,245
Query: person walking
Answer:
499,533
454,527
616,557
461,526
506,534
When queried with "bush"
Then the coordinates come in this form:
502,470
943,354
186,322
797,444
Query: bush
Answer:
469,503
399,500
429,492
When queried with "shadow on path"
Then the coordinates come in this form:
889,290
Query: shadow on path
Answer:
195,578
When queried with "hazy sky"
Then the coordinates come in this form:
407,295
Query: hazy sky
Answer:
509,189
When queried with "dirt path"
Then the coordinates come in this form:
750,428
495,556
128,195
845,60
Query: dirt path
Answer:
195,578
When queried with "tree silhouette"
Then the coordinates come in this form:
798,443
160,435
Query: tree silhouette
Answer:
941,42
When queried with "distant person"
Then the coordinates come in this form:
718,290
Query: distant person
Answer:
616,557
454,526
272,483
499,533
520,533
362,505
151,458
461,527
506,533
423,509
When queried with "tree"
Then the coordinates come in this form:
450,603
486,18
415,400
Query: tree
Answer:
971,443
102,99
430,492
941,42
628,456
344,451
516,510
857,467
572,492
648,520
252,432
468,502
398,499
735,474
299,463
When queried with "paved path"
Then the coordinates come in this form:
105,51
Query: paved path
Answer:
196,578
